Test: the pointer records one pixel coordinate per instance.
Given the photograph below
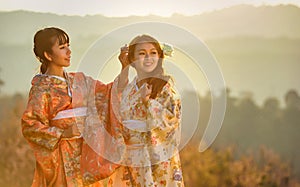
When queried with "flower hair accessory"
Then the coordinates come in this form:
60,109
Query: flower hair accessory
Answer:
167,49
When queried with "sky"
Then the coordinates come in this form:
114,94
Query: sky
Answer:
121,8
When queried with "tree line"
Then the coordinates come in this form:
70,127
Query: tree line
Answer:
257,145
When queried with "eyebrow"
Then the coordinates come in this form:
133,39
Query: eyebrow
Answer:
150,49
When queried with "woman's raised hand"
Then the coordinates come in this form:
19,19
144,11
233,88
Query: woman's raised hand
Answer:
123,56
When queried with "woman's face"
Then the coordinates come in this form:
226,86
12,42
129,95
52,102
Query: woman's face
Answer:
61,55
145,58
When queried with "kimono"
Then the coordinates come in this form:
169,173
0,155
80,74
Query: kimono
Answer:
63,161
152,136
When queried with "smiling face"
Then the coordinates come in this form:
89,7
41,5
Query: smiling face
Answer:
60,55
145,58
51,47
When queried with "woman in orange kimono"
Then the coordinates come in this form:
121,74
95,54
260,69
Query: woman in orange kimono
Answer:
150,111
54,122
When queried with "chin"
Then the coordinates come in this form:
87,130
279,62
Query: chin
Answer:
150,71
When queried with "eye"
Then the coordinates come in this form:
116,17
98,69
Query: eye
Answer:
64,46
153,52
141,53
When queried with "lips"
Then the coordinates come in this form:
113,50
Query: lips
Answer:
149,63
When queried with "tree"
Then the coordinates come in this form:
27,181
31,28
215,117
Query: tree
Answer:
1,82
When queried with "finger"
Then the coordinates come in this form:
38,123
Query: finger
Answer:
149,87
124,60
148,92
144,86
63,126
124,48
68,125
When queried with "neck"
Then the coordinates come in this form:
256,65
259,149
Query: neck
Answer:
141,76
55,71
149,75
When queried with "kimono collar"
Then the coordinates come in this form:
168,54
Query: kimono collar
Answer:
44,80
134,84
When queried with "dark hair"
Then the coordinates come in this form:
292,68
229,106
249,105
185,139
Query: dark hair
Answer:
157,77
44,40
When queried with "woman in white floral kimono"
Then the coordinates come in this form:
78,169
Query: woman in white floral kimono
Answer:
150,111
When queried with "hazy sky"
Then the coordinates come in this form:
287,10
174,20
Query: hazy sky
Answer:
130,7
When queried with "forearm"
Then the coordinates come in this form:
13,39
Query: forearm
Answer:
123,79
41,135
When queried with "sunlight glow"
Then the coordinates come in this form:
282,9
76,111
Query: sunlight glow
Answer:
119,8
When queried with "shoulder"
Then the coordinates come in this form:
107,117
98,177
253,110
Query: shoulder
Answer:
76,74
40,87
81,75
79,78
170,89
170,84
41,81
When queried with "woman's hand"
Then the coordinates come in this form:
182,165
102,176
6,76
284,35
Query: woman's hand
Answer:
62,123
70,128
71,131
123,56
123,77
146,90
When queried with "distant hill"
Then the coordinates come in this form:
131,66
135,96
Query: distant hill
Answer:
265,21
257,47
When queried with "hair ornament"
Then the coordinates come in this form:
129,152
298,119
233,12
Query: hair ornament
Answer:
168,49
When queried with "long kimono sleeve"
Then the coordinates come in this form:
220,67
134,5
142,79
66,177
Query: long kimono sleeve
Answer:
35,121
103,146
164,112
164,123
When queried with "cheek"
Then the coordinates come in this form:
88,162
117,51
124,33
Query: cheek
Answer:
155,56
156,59
139,58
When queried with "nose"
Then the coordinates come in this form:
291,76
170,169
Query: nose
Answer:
69,50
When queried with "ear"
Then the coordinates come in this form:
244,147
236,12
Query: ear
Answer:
47,56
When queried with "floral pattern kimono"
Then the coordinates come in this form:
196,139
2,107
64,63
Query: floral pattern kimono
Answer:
152,136
63,161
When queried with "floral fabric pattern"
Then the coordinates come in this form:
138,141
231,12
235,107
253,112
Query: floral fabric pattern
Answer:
59,160
152,157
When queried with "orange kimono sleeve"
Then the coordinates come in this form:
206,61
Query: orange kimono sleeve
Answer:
103,142
35,121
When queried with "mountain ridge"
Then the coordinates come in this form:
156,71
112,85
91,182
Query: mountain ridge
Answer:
266,21
246,40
